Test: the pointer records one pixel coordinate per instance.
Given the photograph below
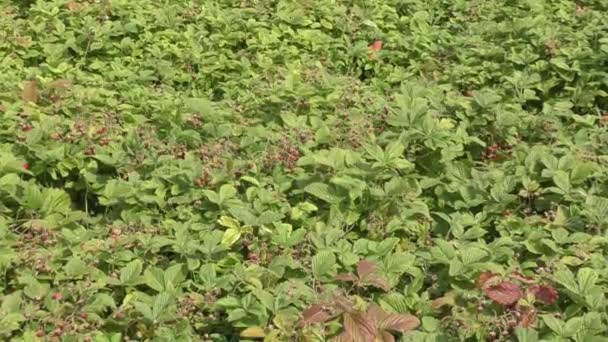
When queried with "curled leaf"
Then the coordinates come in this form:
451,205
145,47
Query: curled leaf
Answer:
485,277
522,277
545,294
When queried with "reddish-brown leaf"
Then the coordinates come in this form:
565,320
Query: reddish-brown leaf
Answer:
399,322
30,91
343,304
346,277
505,293
391,321
365,268
545,294
378,282
522,277
359,327
343,337
484,278
316,314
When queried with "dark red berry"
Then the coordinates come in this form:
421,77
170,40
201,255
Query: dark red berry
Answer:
26,166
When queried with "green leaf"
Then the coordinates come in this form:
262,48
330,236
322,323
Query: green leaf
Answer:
554,324
154,278
129,275
526,335
324,265
76,268
323,192
161,302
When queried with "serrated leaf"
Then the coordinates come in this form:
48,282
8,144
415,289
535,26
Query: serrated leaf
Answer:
323,192
130,273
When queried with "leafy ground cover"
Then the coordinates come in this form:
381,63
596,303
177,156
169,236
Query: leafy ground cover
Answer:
299,170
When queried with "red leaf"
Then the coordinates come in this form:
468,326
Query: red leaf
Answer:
505,293
545,294
365,268
484,277
26,166
522,277
359,327
376,46
316,314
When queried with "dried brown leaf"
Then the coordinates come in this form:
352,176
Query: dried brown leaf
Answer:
386,336
343,337
30,91
347,277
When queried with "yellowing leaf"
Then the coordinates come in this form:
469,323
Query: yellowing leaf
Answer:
253,332
231,235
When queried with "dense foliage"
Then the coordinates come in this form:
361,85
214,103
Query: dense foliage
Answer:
298,170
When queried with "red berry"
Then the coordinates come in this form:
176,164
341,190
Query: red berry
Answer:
102,130
57,296
26,166
84,315
39,333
